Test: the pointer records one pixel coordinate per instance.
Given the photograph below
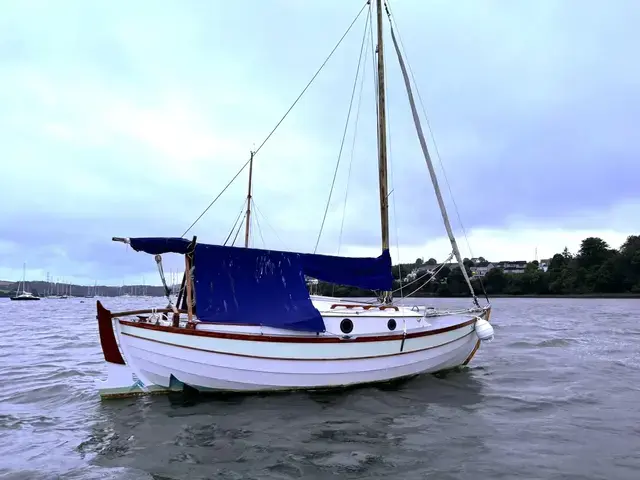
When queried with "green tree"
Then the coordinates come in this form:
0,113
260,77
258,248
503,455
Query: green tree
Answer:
593,252
443,273
495,281
456,282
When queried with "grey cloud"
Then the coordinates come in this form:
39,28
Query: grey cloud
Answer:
532,107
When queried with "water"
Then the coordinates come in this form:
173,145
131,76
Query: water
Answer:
555,396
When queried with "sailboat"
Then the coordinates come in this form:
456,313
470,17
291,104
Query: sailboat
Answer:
244,319
24,295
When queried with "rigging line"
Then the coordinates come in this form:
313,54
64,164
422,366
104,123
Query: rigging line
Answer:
375,77
344,136
374,64
264,244
264,217
393,200
433,274
238,231
432,172
433,139
281,120
353,146
242,209
429,279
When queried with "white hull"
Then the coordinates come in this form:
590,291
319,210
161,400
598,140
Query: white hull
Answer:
254,359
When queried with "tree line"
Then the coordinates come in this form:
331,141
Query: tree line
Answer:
595,269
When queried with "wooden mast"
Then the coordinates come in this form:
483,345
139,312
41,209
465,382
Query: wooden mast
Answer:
382,143
248,224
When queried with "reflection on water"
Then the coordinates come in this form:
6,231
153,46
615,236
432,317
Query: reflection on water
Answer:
373,430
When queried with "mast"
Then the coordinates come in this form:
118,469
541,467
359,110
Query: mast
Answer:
247,225
382,143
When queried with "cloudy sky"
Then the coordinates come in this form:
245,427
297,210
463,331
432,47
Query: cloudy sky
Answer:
127,118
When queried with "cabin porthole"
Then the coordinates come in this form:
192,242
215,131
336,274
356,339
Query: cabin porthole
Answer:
391,324
346,325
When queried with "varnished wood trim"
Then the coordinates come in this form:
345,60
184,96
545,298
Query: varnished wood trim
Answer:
349,306
473,352
298,359
293,339
108,342
141,312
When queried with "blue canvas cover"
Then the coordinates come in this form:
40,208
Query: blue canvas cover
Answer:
368,273
267,287
242,285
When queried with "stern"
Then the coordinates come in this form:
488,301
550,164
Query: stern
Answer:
120,380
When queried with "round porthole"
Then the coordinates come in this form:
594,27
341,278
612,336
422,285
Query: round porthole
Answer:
346,325
391,324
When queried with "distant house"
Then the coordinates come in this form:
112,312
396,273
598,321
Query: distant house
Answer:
544,264
482,269
418,272
518,266
426,271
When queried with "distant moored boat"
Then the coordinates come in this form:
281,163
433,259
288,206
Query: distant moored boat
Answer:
24,295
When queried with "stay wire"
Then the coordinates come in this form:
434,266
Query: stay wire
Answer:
344,135
268,224
255,219
393,187
278,124
238,230
353,146
242,209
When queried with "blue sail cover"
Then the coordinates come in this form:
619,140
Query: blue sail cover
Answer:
245,285
368,273
267,287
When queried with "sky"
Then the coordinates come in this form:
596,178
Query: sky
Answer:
128,118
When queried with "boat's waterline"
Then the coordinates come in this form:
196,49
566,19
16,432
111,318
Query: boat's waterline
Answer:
155,358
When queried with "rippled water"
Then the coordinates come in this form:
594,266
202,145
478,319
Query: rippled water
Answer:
556,395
